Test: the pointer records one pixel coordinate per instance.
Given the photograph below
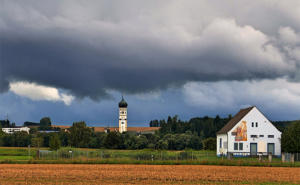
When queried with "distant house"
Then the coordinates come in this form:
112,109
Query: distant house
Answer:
16,129
249,132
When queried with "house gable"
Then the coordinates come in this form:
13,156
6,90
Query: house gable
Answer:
240,116
256,114
268,121
235,120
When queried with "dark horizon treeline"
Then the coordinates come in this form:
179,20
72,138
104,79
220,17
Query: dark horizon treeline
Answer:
201,126
174,134
7,124
44,124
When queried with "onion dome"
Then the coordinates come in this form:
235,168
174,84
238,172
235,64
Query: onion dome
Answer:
123,103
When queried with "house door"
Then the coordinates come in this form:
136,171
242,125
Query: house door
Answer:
271,148
253,148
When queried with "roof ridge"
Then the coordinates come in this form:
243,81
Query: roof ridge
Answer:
237,118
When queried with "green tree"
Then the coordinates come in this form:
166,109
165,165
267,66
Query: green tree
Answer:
37,142
9,140
45,123
1,137
161,145
209,143
130,141
21,139
54,142
93,143
113,140
152,140
290,140
196,142
141,142
33,130
170,139
46,138
80,134
64,138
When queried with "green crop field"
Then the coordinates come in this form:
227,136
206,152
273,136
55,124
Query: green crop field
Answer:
11,157
105,156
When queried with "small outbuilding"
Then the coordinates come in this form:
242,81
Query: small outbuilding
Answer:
249,132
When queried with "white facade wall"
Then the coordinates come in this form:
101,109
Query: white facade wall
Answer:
18,129
222,140
264,128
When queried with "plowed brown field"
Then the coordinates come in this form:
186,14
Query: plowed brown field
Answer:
143,174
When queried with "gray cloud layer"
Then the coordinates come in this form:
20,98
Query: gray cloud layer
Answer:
90,47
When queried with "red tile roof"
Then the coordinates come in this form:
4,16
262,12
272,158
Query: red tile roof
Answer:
102,129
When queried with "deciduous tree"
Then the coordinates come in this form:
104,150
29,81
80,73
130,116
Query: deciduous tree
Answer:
290,139
54,142
80,134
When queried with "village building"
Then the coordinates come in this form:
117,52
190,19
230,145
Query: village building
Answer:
249,132
16,129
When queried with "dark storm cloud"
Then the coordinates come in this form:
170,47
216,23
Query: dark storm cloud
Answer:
90,47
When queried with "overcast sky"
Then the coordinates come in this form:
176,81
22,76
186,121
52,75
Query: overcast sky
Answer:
73,59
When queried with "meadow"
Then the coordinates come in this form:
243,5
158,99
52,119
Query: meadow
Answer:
146,156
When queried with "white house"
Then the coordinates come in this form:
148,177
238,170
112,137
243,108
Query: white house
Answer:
249,132
16,129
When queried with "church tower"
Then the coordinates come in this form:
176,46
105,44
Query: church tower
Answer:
123,115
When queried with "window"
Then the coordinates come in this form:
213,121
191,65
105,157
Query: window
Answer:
220,142
235,146
270,136
253,136
233,133
261,135
252,124
240,146
256,124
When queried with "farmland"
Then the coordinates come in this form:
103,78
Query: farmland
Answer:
24,155
144,174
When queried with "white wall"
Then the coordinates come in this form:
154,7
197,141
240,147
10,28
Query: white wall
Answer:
265,128
223,149
12,130
122,119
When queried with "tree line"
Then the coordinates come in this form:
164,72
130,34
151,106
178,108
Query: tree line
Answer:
174,134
